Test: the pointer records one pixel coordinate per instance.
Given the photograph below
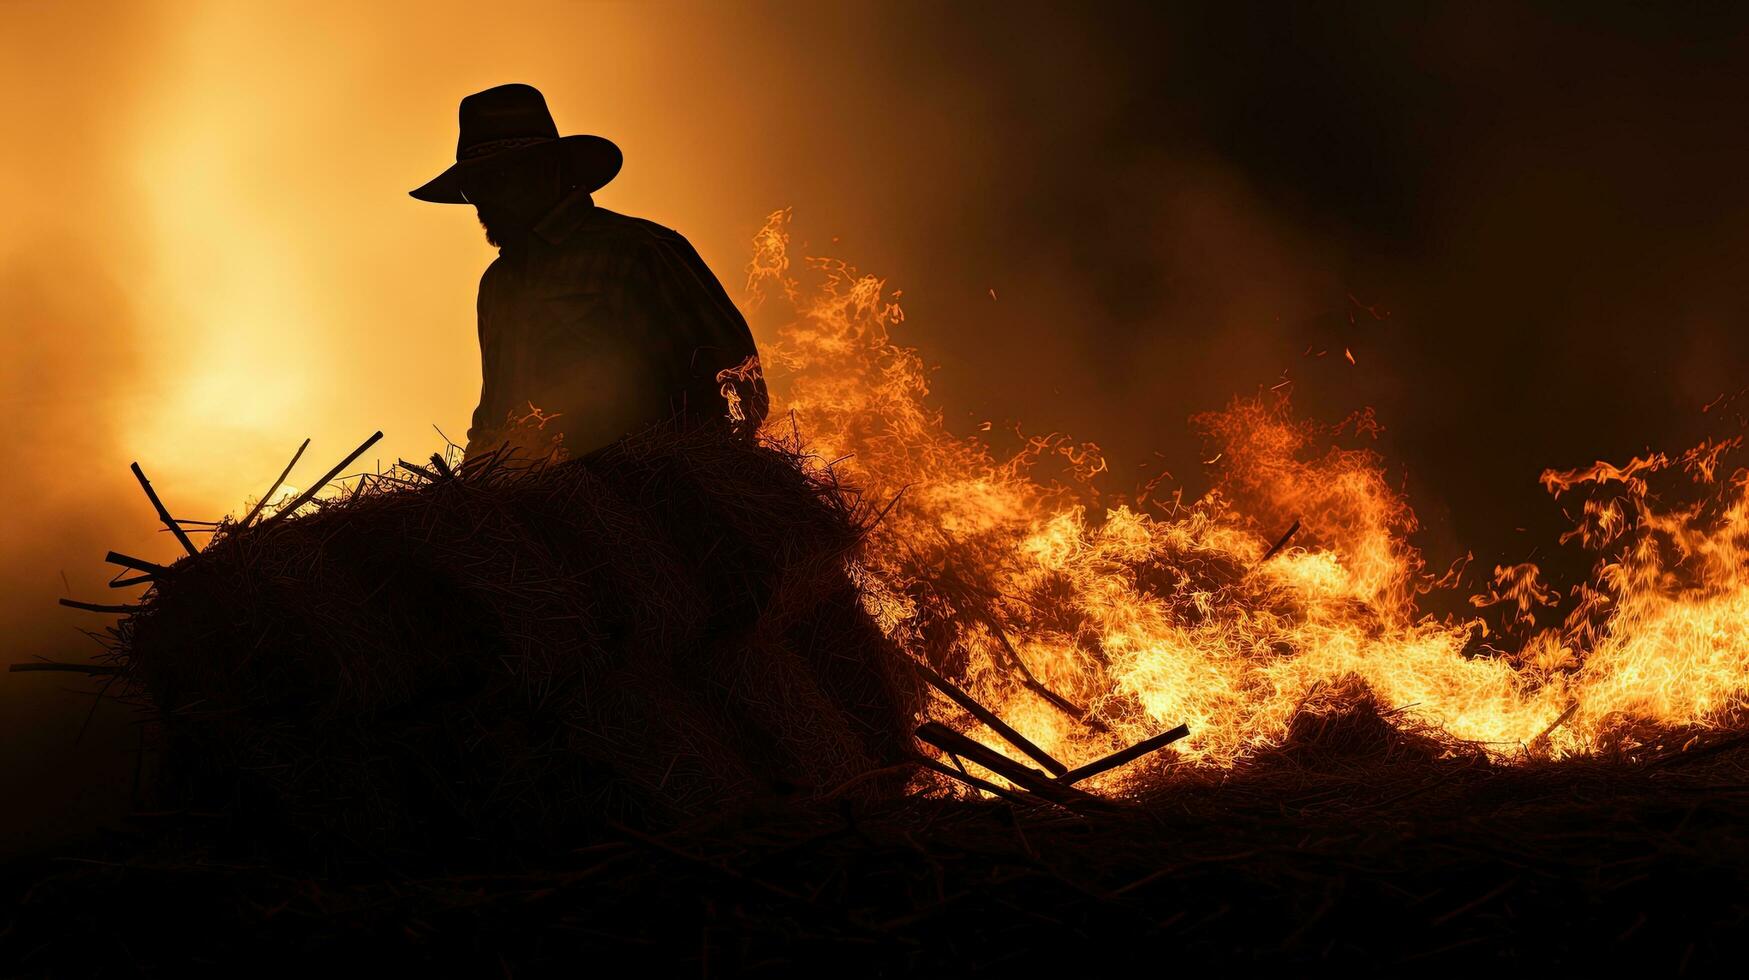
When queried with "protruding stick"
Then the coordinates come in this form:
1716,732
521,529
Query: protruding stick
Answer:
1032,683
1280,543
163,515
416,468
1064,705
442,465
976,783
989,718
97,606
1025,777
137,564
310,494
1122,756
1558,722
276,485
74,668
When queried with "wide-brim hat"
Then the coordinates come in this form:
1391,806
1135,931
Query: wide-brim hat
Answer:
512,120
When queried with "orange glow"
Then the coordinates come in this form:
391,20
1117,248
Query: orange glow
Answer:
210,255
1150,614
217,258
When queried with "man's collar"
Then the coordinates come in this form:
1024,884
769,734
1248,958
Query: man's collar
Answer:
565,217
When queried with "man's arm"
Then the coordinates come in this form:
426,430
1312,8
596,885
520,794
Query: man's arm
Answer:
488,418
710,334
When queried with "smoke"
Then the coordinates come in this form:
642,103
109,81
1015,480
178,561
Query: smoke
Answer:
1522,224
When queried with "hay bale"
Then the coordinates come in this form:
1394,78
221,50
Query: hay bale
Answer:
660,629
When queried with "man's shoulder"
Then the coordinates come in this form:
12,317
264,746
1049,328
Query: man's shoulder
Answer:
494,272
606,226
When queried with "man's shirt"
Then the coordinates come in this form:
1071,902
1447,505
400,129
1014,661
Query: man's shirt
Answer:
606,324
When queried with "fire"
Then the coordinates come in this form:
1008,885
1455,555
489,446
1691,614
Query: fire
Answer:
1089,622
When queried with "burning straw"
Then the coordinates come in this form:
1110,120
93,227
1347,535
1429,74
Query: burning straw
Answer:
1088,622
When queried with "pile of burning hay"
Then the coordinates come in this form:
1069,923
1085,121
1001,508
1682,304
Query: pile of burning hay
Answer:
642,635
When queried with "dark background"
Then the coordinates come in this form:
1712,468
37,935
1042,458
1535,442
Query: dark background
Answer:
1174,202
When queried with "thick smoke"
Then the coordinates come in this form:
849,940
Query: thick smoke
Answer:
1178,204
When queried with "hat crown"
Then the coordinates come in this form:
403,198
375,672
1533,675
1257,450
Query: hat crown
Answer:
501,117
509,121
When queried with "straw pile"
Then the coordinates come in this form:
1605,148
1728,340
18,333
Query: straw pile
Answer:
659,630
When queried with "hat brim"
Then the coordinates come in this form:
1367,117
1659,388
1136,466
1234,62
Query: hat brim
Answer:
595,161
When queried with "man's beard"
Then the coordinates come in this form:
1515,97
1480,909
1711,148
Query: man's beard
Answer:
502,231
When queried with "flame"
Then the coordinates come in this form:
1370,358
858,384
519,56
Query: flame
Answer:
1089,622
730,381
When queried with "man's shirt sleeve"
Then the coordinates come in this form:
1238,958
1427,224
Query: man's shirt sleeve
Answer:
489,413
709,332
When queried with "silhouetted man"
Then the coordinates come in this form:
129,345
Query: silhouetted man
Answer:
592,324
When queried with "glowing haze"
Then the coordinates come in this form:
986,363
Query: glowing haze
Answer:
209,251
209,255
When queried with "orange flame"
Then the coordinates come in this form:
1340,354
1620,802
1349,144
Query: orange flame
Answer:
1006,573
